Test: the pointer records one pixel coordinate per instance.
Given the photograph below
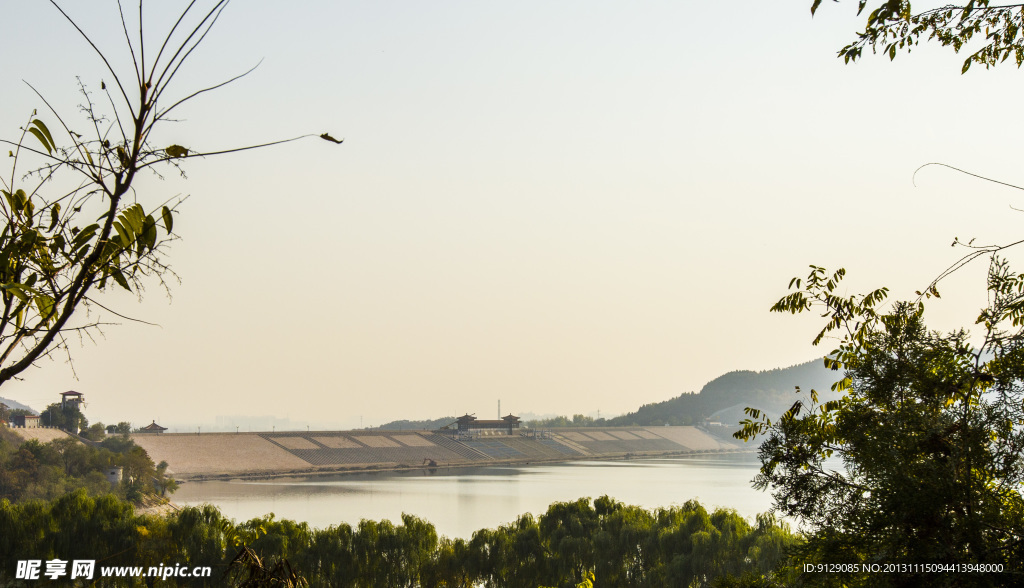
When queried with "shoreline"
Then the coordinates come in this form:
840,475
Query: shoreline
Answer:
385,468
272,454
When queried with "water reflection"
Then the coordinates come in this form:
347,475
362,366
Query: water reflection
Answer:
459,501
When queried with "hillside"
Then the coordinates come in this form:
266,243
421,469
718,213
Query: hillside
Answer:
14,405
428,425
724,398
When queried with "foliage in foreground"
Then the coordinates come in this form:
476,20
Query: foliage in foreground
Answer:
620,545
989,32
75,219
930,435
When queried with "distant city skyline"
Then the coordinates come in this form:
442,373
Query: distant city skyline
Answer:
572,207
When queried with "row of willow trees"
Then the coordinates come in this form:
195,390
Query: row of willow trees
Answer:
620,545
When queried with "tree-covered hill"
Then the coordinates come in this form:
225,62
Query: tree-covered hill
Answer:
429,425
724,398
15,405
31,470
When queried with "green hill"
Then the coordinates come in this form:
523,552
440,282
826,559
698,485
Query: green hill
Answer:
428,425
724,398
14,405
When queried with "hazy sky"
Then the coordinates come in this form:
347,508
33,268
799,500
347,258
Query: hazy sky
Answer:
568,206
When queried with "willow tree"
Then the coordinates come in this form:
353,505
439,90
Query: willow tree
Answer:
75,223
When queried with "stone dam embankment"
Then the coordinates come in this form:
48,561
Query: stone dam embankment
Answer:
269,454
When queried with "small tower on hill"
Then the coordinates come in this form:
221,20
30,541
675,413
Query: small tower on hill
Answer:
71,399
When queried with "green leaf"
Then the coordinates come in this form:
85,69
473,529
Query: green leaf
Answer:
45,304
149,232
133,217
168,220
42,139
967,10
119,278
176,151
122,157
46,132
54,215
84,236
57,244
18,200
122,232
873,16
20,291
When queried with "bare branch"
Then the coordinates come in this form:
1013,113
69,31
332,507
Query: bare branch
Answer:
127,38
78,146
160,84
103,57
226,151
163,113
987,179
115,313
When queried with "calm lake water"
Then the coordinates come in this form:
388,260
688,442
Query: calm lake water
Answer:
460,501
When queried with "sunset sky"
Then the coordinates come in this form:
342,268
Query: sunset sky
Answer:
568,206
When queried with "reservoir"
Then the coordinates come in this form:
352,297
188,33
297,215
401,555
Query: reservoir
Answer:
459,501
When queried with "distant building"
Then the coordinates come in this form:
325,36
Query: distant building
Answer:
71,404
71,399
468,423
152,428
113,475
25,421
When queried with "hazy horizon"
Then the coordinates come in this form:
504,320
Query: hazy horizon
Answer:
570,207
283,421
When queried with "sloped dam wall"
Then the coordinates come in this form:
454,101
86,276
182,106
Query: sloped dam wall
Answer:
230,455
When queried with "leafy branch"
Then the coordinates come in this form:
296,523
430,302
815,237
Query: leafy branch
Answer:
52,257
894,26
